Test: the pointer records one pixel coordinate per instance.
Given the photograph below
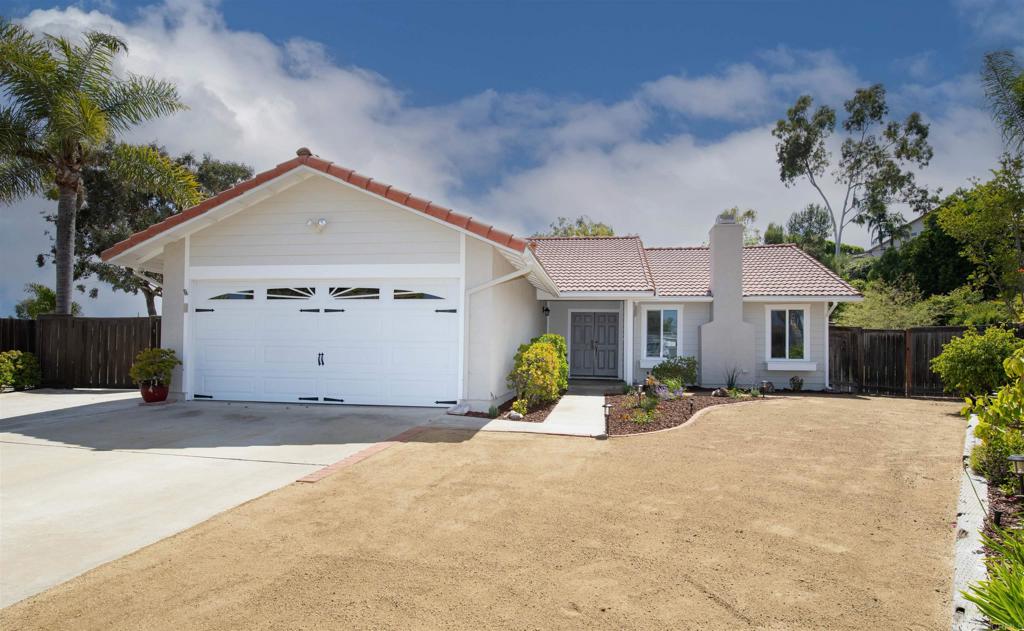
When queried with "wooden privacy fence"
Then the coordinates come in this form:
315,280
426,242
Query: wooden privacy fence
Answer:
889,361
17,335
85,352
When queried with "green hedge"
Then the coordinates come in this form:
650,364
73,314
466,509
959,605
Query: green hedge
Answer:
19,369
540,371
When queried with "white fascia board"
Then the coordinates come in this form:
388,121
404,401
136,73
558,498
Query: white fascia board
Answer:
377,270
440,222
151,247
803,298
596,295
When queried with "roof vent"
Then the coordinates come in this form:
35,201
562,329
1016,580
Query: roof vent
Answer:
303,151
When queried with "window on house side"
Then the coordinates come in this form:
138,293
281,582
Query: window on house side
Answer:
787,328
662,333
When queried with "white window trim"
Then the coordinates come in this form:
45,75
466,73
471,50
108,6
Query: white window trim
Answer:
647,361
784,363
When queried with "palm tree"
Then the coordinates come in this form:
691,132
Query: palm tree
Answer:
1003,79
64,102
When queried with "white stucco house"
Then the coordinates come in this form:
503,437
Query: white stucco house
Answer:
313,283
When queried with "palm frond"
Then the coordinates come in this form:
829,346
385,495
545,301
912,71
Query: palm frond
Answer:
76,120
20,178
147,171
20,134
1003,79
90,66
138,99
27,69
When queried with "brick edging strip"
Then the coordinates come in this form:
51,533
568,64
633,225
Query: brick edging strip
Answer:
363,454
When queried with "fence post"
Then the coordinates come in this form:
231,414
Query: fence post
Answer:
908,370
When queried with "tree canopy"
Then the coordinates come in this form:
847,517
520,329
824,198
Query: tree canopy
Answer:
114,210
64,103
582,226
41,300
875,165
988,221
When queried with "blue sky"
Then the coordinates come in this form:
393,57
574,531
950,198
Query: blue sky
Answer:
652,116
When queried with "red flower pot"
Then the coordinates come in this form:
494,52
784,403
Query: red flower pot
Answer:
153,394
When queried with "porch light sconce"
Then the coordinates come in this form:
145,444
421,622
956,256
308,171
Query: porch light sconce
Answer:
317,225
1017,462
546,311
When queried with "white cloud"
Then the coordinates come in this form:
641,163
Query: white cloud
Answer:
515,159
995,19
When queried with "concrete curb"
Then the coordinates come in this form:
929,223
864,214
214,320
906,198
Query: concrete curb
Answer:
968,552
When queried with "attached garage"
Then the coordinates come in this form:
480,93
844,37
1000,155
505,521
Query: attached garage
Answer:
311,283
361,341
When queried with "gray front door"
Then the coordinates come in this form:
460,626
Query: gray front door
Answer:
594,344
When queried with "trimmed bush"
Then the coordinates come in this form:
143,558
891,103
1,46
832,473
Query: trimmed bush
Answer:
680,369
536,374
972,365
561,349
519,407
999,424
19,370
154,366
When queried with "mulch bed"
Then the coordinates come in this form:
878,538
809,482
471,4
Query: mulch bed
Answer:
669,413
1012,508
534,416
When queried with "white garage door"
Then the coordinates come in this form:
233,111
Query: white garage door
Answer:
379,342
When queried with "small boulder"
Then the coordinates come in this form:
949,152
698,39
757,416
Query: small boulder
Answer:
719,392
515,416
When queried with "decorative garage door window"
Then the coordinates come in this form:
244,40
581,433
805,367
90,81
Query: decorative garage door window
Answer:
355,293
291,293
406,294
241,294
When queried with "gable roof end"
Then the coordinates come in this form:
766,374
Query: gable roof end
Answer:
305,158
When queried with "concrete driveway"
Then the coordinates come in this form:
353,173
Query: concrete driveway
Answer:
89,476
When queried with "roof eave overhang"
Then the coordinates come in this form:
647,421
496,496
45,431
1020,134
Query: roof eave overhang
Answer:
818,298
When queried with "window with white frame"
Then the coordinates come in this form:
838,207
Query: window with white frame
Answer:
787,332
661,332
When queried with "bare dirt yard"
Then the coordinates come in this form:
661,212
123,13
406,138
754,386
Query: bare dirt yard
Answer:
801,512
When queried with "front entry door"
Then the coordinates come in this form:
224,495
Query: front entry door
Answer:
594,342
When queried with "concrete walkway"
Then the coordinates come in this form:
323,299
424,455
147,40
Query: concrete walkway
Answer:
578,413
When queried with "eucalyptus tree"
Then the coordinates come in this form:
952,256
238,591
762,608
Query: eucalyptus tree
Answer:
1003,78
875,169
63,102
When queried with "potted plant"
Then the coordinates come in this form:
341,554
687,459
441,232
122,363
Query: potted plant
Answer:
152,371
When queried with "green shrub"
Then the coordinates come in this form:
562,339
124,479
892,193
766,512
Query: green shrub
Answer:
796,383
682,369
492,411
519,407
650,401
754,392
536,373
999,423
562,351
154,366
19,369
643,417
972,365
1000,596
673,384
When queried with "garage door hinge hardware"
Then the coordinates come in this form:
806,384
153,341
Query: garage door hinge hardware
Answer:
333,310
202,396
203,310
333,400
308,399
445,402
445,310
310,310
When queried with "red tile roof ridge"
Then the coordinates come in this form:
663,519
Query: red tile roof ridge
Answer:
583,238
305,158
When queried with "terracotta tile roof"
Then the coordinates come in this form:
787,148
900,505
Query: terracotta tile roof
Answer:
304,157
611,264
768,270
594,263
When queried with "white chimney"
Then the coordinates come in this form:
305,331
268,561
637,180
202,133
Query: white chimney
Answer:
727,341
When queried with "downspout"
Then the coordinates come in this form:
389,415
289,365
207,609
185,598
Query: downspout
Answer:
828,319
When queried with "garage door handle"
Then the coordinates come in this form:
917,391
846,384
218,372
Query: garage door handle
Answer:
333,310
203,310
444,310
320,359
310,310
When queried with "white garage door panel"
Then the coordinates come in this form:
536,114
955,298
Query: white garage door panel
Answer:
395,344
